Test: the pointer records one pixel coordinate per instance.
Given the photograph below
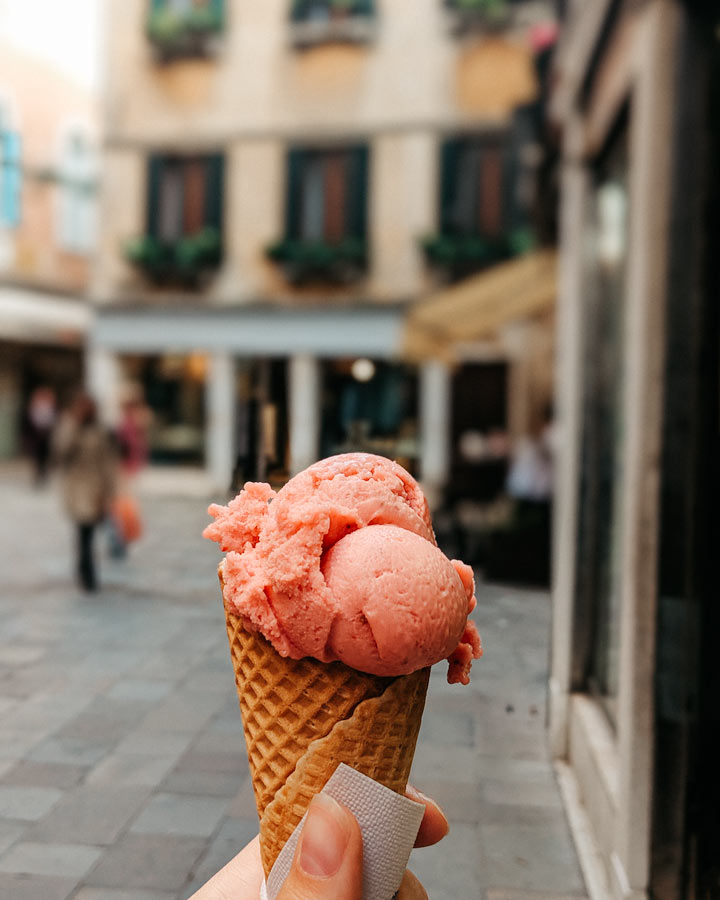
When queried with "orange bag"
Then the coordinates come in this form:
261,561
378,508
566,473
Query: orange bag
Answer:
126,515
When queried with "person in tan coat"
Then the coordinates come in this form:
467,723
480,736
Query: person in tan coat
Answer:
86,459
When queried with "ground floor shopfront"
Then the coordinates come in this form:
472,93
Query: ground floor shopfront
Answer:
41,346
259,393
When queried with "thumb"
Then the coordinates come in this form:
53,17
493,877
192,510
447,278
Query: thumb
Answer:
328,859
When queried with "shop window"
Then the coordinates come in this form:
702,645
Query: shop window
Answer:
181,28
320,21
600,536
10,173
77,200
173,387
326,216
478,226
370,406
183,240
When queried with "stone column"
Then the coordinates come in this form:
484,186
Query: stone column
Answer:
435,424
304,391
103,380
517,339
220,428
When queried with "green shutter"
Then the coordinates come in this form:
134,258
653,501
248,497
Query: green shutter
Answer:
449,157
357,196
155,167
298,10
214,185
157,5
10,178
364,8
217,7
295,161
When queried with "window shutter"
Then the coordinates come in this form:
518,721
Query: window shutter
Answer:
364,8
155,167
295,162
214,183
10,178
157,5
297,10
449,159
217,7
357,188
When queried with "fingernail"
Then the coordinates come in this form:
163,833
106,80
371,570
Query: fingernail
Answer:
418,796
324,837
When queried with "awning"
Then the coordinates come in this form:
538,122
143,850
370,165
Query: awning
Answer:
477,308
43,318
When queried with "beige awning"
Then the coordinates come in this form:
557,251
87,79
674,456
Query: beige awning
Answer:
475,309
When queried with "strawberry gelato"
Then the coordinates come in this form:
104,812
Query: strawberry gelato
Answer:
342,564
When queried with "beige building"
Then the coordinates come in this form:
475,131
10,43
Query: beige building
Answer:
48,175
281,180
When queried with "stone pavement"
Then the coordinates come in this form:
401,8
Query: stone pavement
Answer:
122,766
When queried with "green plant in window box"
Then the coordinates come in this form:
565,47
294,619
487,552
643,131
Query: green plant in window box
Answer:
463,254
304,261
183,261
177,33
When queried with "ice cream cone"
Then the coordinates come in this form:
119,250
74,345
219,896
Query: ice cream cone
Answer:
304,717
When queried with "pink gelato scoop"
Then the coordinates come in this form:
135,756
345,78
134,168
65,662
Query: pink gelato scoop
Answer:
342,564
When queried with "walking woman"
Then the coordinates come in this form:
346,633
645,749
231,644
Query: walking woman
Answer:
86,458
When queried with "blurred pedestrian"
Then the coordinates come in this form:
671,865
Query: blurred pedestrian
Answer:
41,418
131,436
86,458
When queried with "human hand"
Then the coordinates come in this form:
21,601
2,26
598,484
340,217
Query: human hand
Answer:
328,860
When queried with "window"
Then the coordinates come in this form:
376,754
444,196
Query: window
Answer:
479,212
600,536
184,219
10,172
482,14
326,194
180,28
319,21
184,196
77,206
326,214
324,10
472,187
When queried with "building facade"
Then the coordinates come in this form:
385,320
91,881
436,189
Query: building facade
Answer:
281,180
634,675
48,178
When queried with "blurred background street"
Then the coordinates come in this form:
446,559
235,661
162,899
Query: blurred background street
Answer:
122,766
478,237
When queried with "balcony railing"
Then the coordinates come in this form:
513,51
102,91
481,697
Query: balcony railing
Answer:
304,261
332,21
463,255
176,34
186,261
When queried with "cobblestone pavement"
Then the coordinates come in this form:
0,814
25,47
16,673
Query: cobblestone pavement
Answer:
122,766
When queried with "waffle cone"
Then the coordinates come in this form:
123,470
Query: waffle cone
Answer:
302,718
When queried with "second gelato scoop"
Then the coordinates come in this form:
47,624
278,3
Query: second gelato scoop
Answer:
402,604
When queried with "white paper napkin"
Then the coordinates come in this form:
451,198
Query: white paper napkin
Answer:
389,823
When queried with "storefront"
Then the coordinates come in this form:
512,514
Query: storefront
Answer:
632,716
41,337
261,392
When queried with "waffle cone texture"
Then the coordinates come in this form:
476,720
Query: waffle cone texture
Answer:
302,718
